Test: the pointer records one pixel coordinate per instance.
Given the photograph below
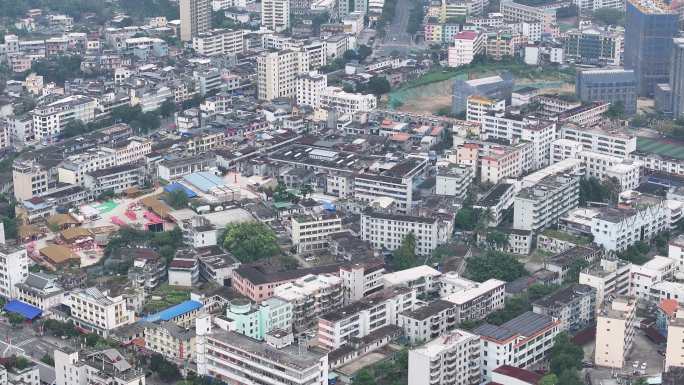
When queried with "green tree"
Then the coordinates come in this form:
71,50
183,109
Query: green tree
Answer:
570,377
565,355
15,319
378,85
74,128
494,264
609,16
167,108
178,199
497,239
616,110
47,359
576,266
364,377
251,241
539,290
405,256
166,370
306,190
514,307
549,379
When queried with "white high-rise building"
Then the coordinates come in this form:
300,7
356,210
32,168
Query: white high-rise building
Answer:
453,359
14,264
275,14
195,16
615,328
310,86
103,367
277,74
49,120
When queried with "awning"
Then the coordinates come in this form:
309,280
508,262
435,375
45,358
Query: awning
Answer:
25,310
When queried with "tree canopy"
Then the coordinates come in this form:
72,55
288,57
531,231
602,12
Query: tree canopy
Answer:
250,241
565,355
495,264
609,16
178,199
405,256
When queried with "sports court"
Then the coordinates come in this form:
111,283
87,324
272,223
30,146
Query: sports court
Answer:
663,147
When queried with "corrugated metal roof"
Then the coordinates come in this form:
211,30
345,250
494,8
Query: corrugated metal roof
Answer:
27,311
174,311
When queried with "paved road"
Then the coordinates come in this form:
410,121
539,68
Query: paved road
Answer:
396,38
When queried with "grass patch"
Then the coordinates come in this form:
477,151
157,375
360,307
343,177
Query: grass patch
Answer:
168,296
563,236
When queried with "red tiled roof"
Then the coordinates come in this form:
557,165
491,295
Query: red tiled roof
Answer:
518,373
466,35
669,306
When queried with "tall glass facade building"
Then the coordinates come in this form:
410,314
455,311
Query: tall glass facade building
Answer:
650,26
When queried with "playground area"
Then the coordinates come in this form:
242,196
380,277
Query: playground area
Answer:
668,148
432,91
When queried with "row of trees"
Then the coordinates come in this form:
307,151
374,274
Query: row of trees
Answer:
495,264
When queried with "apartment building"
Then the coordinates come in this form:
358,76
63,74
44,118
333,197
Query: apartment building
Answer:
219,42
170,340
428,322
117,179
454,180
497,200
618,228
603,166
615,328
675,251
521,342
655,162
99,367
277,73
562,149
515,13
608,85
50,119
466,45
389,230
424,279
259,284
605,141
479,106
95,311
574,306
311,296
41,290
514,128
397,183
220,351
311,232
667,290
256,320
359,319
346,102
597,46
478,300
451,359
310,87
540,205
674,351
644,277
14,264
611,277
184,269
195,18
561,262
275,15
362,279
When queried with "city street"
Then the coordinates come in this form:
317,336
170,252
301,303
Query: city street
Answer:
396,38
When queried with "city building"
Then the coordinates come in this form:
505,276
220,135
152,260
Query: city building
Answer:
311,232
650,26
283,363
170,340
493,87
310,297
428,322
606,141
389,230
574,306
626,172
14,268
515,128
335,98
101,367
219,42
466,45
677,78
50,119
450,359
608,85
195,18
359,319
95,311
540,205
277,73
618,228
424,279
497,200
275,15
479,106
615,328
593,45
256,320
454,180
362,279
674,350
476,300
41,290
611,277
521,342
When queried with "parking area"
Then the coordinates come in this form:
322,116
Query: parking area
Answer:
643,360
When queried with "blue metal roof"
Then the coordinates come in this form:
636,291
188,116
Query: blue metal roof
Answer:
174,311
204,180
22,308
177,186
